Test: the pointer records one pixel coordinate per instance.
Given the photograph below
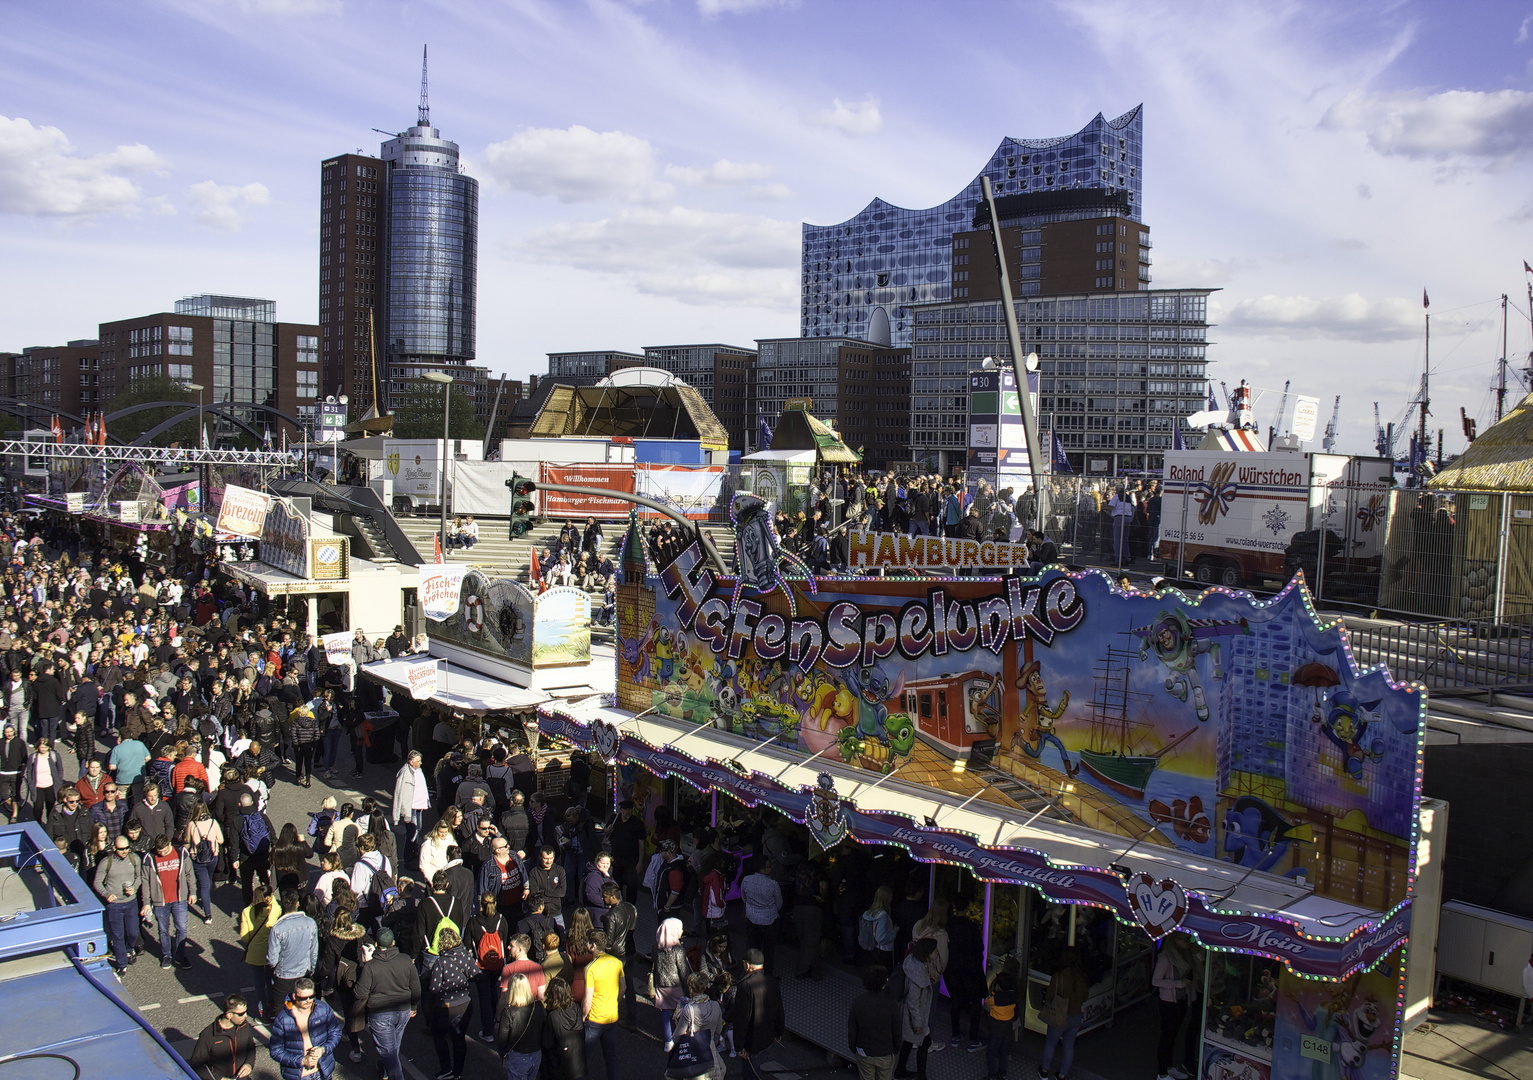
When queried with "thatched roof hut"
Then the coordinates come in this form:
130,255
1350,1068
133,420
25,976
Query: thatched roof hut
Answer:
1501,459
797,430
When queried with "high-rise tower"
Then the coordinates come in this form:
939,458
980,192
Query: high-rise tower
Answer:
430,275
399,239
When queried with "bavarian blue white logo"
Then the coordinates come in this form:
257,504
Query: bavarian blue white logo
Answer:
327,554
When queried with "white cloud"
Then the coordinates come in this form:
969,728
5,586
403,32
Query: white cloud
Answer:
219,206
857,119
696,256
1193,273
42,176
768,192
1522,31
721,173
279,7
577,165
712,9
1348,318
1474,123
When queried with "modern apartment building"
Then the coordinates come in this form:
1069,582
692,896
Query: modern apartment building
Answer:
399,236
722,374
353,235
45,379
1056,242
861,278
1116,372
861,387
233,346
595,364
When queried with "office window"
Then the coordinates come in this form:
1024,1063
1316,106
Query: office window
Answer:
308,384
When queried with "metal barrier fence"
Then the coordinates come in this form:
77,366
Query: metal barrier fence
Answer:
1466,654
1458,555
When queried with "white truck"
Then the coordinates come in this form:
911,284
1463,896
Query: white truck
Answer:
1252,517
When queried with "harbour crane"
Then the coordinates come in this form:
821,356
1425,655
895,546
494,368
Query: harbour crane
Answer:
1328,441
1278,419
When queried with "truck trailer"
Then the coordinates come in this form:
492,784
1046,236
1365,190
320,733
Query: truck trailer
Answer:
1247,518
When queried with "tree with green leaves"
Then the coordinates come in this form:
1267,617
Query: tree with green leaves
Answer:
418,412
142,392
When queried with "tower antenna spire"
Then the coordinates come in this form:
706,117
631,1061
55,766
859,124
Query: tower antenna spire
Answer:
423,114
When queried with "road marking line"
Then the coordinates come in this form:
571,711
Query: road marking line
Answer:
146,1008
194,997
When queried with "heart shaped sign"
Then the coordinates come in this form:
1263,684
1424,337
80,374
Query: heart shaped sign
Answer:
605,739
1158,905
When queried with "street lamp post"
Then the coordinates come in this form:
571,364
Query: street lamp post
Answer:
335,447
199,388
446,381
202,468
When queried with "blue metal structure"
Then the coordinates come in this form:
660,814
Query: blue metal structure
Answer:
60,1001
860,276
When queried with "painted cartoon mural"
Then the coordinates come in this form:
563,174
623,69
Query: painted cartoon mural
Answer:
1230,728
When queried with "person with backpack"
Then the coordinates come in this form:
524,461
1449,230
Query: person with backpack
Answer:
449,995
675,884
205,841
538,924
876,930
488,936
372,878
389,991
435,914
252,859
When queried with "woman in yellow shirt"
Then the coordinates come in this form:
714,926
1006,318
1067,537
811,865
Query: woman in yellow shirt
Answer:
255,924
604,976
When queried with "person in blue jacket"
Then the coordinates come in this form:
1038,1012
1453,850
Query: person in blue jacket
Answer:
305,1021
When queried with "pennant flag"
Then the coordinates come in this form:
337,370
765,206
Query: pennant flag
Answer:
266,439
436,543
764,436
102,433
1526,267
1177,442
1213,406
204,436
1061,463
534,572
1426,301
58,430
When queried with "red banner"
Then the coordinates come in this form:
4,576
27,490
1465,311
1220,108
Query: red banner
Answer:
561,505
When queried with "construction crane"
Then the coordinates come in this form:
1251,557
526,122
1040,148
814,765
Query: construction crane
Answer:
1278,419
1328,441
1383,437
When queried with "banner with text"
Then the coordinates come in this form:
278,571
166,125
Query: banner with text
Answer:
243,512
422,680
440,589
337,648
562,505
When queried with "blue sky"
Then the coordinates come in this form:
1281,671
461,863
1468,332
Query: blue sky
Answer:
645,167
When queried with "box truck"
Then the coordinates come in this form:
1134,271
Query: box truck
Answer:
1246,518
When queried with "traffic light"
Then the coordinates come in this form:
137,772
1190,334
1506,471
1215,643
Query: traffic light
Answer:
522,517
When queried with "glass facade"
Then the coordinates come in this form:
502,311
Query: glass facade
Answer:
1116,373
800,368
432,251
860,278
591,364
210,306
244,369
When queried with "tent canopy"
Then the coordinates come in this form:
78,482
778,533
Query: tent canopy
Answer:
797,430
641,411
1500,459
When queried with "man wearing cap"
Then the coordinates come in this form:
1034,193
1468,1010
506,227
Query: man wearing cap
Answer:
390,990
397,644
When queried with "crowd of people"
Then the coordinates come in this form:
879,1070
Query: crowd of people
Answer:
150,708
